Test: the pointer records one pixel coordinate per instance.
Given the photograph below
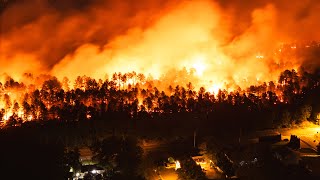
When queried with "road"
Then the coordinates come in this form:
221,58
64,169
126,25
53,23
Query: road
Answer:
211,172
164,174
309,136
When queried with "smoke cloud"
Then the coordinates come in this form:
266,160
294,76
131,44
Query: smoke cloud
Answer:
220,39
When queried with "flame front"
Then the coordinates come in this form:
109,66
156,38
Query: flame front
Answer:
183,39
189,41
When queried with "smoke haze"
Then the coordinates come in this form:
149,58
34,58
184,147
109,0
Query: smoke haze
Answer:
219,39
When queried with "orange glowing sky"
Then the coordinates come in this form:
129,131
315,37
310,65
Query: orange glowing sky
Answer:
225,43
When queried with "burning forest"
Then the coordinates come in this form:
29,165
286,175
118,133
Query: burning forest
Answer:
152,55
160,89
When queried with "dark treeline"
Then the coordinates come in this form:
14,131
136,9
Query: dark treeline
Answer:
293,99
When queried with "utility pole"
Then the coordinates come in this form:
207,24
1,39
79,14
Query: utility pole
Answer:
240,136
194,138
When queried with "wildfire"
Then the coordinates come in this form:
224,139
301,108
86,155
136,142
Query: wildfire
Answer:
186,35
199,65
199,40
215,88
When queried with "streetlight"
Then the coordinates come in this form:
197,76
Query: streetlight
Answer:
194,138
94,171
178,166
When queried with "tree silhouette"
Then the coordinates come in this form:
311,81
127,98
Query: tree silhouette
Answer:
190,170
119,153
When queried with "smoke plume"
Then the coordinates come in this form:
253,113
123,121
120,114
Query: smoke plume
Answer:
224,41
